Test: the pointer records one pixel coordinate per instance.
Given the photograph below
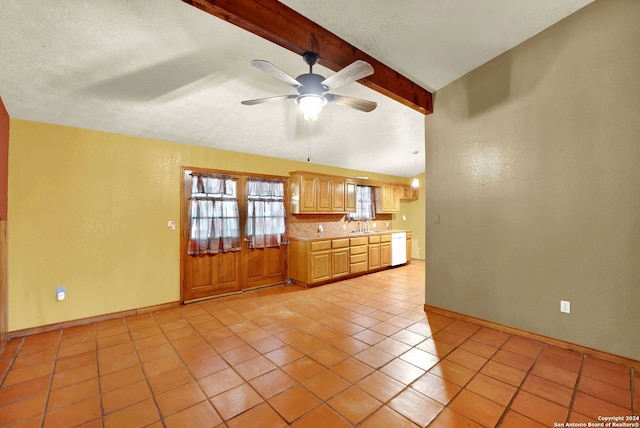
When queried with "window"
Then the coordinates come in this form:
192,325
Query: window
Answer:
364,204
266,215
213,214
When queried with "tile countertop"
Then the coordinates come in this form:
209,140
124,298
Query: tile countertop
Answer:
323,236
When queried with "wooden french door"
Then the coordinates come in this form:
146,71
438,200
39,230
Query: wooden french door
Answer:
204,276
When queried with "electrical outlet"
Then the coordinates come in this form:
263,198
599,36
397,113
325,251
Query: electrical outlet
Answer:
61,293
565,306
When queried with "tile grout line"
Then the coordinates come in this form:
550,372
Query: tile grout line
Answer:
95,338
414,381
208,399
53,370
575,388
13,360
519,388
634,405
146,378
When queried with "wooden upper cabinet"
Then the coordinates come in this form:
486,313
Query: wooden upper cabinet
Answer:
409,193
303,193
324,189
388,198
350,196
338,196
319,193
314,193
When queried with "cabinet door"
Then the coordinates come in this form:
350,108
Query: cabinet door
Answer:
385,254
406,192
307,193
414,194
337,197
408,250
396,192
385,197
374,256
389,198
340,262
320,266
350,196
324,194
409,193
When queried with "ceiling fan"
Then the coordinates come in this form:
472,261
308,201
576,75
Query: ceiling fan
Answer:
312,88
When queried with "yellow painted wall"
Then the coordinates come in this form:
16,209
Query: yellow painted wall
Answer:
89,211
414,211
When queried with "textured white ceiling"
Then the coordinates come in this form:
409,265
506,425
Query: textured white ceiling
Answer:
162,69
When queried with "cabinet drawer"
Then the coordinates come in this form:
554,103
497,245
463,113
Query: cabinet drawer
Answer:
320,245
385,238
340,243
358,258
359,241
361,249
374,239
359,267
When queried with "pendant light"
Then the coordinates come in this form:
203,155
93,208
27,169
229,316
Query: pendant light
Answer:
415,183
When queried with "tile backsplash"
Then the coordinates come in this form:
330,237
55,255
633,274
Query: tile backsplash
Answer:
332,224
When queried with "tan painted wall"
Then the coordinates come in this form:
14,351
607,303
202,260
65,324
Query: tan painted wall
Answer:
533,164
89,211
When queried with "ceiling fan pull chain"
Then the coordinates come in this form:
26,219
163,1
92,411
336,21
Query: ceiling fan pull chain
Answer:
308,142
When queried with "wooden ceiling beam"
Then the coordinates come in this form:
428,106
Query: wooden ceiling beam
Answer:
282,25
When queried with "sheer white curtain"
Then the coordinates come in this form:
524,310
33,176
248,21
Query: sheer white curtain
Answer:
213,213
364,204
266,215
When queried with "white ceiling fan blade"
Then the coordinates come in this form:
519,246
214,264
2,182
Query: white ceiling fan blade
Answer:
355,103
354,71
274,71
267,100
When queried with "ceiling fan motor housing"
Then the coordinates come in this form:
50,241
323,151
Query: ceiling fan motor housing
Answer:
311,84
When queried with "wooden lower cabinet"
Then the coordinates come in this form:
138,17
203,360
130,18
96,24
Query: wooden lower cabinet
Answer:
374,252
339,257
385,250
320,266
318,261
358,260
408,247
325,260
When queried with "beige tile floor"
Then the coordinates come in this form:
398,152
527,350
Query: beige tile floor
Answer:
360,352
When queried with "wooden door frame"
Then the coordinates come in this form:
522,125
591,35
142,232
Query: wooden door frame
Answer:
185,192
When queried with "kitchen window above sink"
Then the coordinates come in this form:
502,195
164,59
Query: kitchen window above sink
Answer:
365,209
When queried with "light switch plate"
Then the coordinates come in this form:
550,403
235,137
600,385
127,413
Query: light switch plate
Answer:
171,225
565,306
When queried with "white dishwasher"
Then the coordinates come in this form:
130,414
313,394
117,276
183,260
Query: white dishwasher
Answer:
398,248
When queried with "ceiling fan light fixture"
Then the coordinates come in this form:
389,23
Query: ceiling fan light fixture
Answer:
310,105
